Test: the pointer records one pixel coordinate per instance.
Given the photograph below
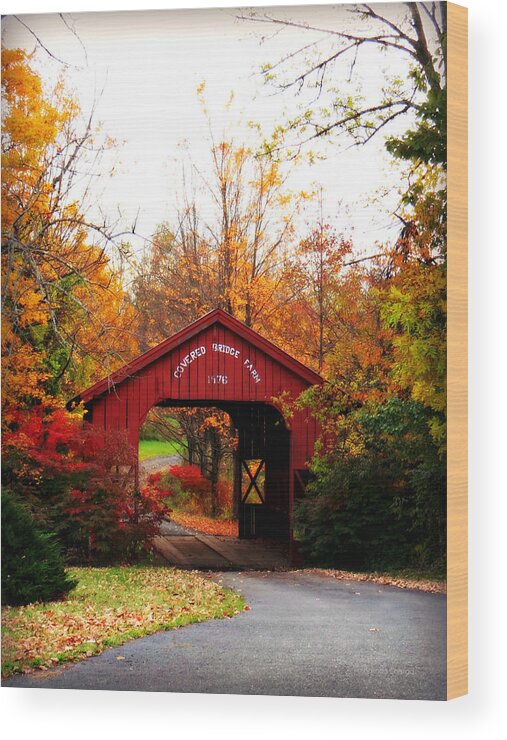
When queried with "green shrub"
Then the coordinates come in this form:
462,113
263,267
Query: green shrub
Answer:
383,507
32,565
347,519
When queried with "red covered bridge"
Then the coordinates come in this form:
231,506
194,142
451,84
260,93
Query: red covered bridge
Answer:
218,361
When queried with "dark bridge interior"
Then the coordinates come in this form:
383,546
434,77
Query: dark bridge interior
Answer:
262,468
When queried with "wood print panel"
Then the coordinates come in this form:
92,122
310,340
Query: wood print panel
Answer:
457,294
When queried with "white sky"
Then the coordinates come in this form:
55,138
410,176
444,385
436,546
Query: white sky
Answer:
149,64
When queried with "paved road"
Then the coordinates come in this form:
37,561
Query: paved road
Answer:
304,635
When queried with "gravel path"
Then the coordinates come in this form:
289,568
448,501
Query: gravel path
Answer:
152,464
304,635
172,528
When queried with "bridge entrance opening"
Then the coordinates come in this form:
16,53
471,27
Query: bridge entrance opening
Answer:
243,452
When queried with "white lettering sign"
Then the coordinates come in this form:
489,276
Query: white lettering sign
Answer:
253,372
218,379
226,349
188,359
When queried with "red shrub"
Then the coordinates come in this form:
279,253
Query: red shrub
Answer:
80,483
190,478
47,441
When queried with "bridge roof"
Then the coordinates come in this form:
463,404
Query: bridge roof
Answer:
215,317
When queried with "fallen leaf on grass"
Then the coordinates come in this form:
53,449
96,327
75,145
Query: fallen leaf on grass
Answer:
435,587
140,601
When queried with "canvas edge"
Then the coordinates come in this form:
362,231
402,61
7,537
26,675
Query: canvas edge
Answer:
457,352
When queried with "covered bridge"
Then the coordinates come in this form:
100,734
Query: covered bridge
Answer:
217,361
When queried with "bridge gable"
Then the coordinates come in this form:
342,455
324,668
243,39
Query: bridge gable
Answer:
217,358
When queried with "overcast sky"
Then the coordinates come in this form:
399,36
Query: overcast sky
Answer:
147,66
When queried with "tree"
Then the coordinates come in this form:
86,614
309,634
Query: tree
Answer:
317,280
236,261
409,279
413,302
62,302
418,34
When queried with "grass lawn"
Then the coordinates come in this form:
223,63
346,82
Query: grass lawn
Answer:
108,607
157,448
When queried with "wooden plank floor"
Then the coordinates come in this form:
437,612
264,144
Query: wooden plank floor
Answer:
220,553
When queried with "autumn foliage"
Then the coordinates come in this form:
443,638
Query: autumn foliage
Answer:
188,490
79,483
64,309
190,478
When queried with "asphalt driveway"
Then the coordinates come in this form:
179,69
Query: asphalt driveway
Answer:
304,635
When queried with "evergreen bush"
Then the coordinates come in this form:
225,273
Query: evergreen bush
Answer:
32,565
